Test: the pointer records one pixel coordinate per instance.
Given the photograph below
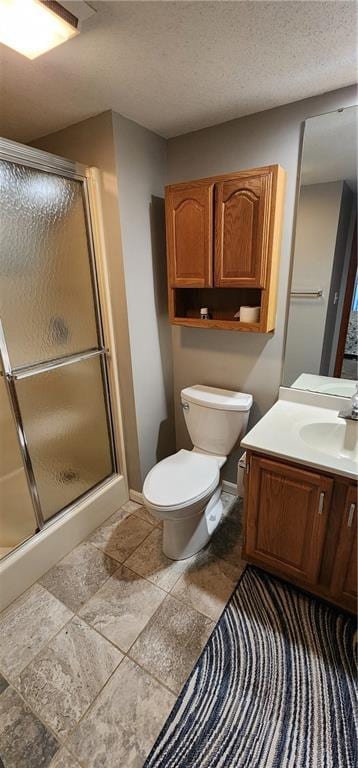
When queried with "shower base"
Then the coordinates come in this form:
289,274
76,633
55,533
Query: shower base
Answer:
28,562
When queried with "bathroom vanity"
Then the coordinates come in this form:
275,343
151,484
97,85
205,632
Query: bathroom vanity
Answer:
301,495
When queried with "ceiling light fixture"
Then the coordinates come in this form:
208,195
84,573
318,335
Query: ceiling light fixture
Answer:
33,27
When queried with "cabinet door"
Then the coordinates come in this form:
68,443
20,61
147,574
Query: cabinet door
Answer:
189,218
242,231
344,578
286,515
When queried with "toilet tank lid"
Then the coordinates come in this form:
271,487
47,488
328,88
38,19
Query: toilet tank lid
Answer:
221,399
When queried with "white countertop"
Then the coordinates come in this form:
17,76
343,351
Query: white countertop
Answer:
305,427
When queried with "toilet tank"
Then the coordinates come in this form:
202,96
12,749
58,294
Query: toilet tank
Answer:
215,418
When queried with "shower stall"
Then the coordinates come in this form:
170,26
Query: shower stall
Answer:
57,427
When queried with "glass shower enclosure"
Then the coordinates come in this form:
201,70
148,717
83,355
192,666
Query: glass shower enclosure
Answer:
57,440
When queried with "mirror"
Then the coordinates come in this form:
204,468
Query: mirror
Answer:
322,332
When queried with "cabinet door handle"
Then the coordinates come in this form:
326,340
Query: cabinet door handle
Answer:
321,503
351,515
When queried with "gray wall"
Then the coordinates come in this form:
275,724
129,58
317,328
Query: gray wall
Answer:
141,172
345,240
338,286
243,361
316,235
133,161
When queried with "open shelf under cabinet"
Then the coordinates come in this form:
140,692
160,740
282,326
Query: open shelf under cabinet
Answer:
222,304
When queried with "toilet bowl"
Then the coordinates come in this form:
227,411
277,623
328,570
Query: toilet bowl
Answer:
184,490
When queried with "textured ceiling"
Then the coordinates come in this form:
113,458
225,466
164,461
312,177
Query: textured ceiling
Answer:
179,66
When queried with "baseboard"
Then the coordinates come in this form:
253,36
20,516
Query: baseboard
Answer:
136,496
229,487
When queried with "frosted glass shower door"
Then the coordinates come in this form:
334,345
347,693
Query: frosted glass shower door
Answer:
47,299
51,335
64,413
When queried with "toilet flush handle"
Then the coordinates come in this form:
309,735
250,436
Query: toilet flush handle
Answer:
185,406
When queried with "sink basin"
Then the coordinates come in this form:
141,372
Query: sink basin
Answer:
332,439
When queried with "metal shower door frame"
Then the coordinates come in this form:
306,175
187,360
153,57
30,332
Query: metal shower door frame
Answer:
45,162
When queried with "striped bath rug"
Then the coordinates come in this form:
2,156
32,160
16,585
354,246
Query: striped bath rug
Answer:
273,688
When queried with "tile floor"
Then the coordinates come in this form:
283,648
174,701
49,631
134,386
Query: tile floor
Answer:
94,655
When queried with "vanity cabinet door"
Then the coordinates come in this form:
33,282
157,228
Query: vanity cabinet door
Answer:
344,578
286,517
189,224
242,221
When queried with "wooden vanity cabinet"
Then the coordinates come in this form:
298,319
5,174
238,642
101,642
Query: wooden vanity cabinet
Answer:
344,578
286,517
224,232
290,513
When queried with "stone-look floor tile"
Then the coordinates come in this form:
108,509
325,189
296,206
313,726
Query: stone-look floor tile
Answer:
149,561
140,511
207,584
63,759
227,539
24,741
122,607
116,517
3,684
119,537
145,514
131,507
26,626
124,721
63,680
171,642
78,576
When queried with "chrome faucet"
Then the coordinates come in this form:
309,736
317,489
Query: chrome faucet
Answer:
352,412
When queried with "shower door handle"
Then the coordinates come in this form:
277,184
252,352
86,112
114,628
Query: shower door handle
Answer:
59,362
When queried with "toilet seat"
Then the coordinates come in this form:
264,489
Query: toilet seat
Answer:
181,480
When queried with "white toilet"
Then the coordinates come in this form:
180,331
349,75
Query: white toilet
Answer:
184,490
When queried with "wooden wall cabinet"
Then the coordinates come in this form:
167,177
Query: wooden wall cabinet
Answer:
242,213
190,234
224,233
301,525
